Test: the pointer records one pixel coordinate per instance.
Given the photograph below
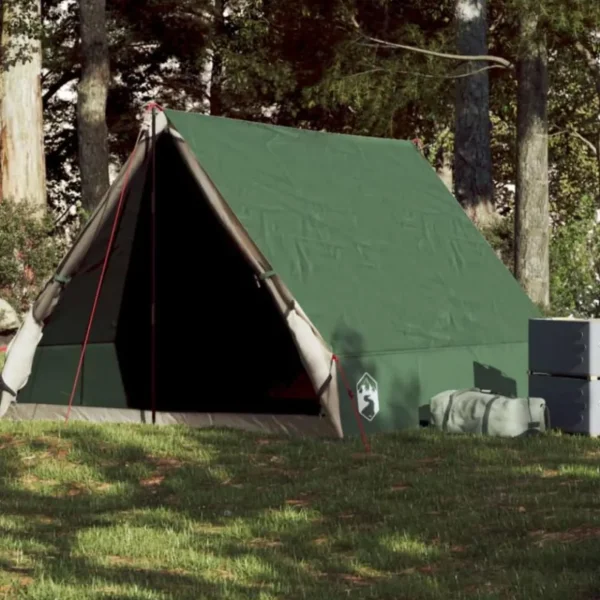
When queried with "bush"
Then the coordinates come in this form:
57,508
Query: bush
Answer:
574,260
29,253
575,264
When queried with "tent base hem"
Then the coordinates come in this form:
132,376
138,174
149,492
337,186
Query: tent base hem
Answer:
285,425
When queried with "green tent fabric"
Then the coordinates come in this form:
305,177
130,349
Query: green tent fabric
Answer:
378,253
360,232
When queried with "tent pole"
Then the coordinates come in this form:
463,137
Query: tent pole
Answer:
153,273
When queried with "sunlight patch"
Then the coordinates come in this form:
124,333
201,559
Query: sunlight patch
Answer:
588,471
402,543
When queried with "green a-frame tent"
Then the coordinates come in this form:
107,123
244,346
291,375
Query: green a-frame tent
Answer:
261,275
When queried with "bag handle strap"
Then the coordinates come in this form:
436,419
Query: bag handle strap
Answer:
449,406
485,422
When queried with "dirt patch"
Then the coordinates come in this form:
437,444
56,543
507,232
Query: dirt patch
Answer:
425,569
164,463
264,543
121,560
303,500
76,490
320,541
152,481
565,537
400,487
103,487
364,455
297,502
52,447
9,441
232,483
266,442
355,580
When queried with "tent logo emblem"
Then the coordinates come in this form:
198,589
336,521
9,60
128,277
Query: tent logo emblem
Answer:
367,397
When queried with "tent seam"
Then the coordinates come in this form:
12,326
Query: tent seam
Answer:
419,350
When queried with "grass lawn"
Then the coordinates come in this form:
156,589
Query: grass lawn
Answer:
141,512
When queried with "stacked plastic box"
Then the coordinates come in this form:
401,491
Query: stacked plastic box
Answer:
564,369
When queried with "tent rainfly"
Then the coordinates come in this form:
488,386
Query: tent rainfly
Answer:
245,275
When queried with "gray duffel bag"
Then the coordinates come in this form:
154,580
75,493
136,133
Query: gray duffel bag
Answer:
477,411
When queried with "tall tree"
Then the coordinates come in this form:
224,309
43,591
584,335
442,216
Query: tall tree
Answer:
92,92
23,169
532,211
217,71
474,186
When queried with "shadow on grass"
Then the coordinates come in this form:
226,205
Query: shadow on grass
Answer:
172,512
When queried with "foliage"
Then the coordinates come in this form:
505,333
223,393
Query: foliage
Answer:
29,253
574,259
304,64
21,29
499,236
575,264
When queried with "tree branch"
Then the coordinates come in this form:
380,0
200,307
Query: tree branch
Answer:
427,75
592,63
65,78
501,62
577,135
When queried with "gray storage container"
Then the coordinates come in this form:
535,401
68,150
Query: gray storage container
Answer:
564,347
573,403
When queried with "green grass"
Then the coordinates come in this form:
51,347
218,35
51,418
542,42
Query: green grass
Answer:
141,512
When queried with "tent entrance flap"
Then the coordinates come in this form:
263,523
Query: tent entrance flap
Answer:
221,343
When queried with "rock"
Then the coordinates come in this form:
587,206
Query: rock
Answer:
9,319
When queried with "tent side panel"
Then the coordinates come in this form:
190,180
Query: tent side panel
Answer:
407,381
52,376
102,378
68,322
54,370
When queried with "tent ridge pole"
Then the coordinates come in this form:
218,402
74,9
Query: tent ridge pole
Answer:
153,273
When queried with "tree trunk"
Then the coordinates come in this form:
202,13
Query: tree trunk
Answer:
443,167
92,92
22,160
472,155
217,69
443,159
532,214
